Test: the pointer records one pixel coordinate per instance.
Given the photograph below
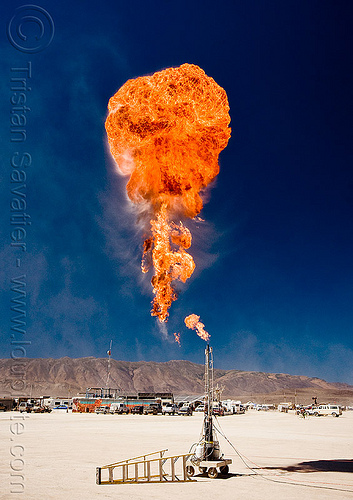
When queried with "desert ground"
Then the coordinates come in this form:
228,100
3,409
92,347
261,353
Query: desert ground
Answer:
55,455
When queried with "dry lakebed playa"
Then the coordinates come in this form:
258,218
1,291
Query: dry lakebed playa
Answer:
285,456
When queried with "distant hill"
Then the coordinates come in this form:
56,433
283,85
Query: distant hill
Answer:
68,376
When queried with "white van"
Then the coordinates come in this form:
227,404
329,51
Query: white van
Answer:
333,410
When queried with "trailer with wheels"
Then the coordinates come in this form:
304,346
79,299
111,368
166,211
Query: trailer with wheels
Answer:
213,468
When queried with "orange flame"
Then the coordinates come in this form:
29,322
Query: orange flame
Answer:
177,338
193,322
166,131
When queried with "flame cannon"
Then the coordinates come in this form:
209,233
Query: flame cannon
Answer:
207,455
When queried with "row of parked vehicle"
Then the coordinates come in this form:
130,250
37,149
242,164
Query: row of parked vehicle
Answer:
32,408
167,409
152,409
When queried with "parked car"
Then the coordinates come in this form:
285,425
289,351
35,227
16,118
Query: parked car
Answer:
102,409
122,410
200,408
169,409
185,410
25,407
137,410
311,410
151,409
41,409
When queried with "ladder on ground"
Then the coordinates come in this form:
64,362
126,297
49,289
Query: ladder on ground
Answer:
146,468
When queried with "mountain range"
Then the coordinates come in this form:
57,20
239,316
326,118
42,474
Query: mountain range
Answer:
69,376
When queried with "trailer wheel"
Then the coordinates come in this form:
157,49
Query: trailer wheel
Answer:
203,470
190,471
316,414
224,470
212,472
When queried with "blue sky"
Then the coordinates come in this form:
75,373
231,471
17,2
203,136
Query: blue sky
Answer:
274,274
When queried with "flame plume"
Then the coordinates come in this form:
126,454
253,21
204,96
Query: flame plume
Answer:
166,131
177,338
193,322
